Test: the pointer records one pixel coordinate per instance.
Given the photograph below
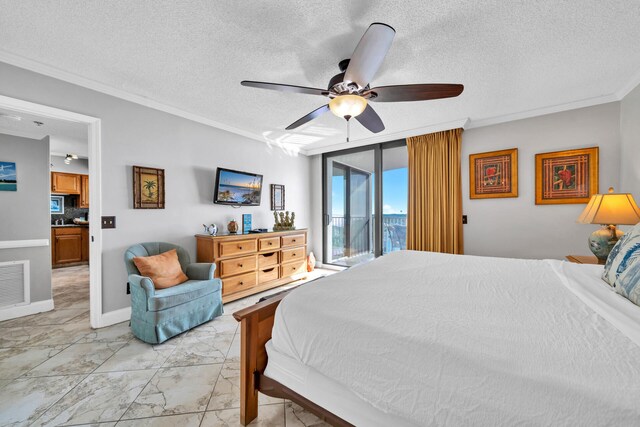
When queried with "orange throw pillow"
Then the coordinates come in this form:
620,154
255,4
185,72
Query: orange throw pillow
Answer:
163,269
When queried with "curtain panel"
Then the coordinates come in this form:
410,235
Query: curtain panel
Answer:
434,220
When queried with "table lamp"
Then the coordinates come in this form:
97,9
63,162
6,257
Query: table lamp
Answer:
608,210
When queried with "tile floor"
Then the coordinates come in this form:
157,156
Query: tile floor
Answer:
56,371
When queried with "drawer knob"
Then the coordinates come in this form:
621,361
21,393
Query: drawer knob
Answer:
241,283
294,240
240,265
294,254
239,247
270,243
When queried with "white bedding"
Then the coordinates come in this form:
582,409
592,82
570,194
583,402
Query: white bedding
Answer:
417,338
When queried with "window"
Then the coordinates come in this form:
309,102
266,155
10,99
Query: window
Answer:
365,202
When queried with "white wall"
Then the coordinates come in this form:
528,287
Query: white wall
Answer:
80,166
189,152
516,227
24,214
630,144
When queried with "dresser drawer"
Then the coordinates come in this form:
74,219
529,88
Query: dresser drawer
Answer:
60,231
293,240
229,267
295,254
238,283
238,247
292,268
268,259
268,274
269,243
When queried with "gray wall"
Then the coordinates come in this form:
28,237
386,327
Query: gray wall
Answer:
25,213
189,152
630,144
80,166
516,227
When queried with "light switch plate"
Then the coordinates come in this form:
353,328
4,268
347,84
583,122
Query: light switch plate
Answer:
108,222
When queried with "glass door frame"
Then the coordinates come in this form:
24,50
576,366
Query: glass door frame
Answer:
378,150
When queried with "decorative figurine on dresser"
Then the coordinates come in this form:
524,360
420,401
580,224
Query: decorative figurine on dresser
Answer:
284,221
232,226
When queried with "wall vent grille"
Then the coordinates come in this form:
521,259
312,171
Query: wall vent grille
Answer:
14,283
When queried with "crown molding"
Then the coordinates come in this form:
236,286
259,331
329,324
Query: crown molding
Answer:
631,85
47,70
461,123
590,102
50,71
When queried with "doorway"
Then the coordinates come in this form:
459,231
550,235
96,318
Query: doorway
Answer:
93,235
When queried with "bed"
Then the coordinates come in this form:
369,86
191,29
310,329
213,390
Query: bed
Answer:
415,338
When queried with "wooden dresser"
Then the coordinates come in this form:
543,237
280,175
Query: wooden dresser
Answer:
252,263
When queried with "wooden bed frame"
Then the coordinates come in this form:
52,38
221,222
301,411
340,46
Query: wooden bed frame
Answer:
256,323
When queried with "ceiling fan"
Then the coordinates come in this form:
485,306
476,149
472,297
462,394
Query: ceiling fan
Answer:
349,91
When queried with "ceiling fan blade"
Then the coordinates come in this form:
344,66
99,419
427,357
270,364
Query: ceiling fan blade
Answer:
369,54
371,120
312,115
285,88
417,92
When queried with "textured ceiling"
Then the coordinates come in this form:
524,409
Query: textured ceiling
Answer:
512,56
65,137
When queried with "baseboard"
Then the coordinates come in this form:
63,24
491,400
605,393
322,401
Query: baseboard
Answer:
113,317
331,267
26,310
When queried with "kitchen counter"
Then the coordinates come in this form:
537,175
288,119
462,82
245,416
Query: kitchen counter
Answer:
69,225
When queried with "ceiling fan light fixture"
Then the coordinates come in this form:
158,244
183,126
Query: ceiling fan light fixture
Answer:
347,105
70,157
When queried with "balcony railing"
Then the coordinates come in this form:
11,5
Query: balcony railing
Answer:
394,236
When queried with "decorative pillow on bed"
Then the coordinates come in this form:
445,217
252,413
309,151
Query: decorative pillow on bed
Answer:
628,283
621,255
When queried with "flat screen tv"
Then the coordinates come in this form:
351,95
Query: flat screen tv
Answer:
237,188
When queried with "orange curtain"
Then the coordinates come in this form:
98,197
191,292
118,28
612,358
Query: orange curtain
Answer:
435,192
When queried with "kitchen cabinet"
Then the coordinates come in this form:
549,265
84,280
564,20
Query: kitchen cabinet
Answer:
85,243
69,245
84,191
65,183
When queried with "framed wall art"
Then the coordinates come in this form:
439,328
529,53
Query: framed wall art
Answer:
8,177
57,205
493,174
148,188
277,197
565,177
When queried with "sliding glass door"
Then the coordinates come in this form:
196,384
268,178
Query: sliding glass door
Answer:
349,207
364,202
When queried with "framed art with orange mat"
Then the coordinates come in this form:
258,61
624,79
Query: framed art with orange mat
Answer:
566,177
493,174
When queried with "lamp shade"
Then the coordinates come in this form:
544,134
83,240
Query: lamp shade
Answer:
611,209
347,105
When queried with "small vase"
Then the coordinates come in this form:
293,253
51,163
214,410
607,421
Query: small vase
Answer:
311,262
232,226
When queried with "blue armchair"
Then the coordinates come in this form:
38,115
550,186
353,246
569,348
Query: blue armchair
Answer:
159,314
